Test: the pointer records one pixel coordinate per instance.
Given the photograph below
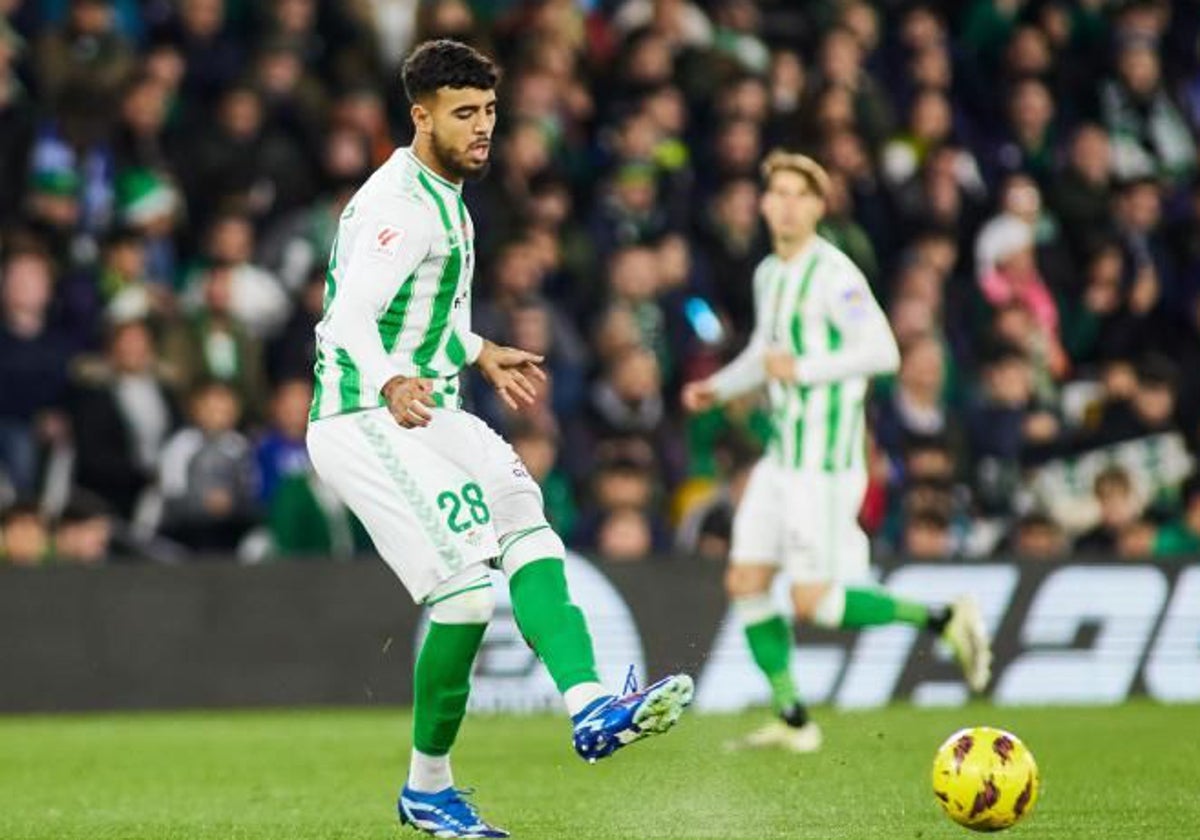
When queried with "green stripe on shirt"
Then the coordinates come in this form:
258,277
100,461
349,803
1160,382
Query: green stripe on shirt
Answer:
834,417
443,301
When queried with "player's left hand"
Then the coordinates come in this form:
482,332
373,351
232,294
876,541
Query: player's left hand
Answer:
780,365
512,372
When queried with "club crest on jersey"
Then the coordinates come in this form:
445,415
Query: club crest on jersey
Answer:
386,242
854,301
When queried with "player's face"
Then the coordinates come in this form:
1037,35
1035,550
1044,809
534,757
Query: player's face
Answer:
790,207
459,123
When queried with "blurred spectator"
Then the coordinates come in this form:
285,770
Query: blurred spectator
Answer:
252,297
538,450
1003,423
210,343
1038,537
84,532
24,537
626,535
731,243
122,412
289,354
85,58
1008,276
1182,536
1082,192
209,53
207,474
927,536
33,366
280,451
240,158
149,205
628,400
707,531
1150,137
1119,509
620,512
916,406
16,125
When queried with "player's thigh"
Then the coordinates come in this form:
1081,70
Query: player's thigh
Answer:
393,484
513,498
824,541
758,522
808,531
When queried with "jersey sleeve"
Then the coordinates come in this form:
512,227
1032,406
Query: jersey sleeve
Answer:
387,247
747,371
867,348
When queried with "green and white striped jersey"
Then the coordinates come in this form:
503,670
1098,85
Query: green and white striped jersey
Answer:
397,290
818,306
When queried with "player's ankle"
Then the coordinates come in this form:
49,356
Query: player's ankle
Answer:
938,618
795,715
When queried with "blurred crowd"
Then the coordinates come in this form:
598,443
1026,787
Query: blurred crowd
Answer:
1016,178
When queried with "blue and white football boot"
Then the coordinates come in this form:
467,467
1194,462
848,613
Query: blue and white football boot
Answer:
446,813
610,723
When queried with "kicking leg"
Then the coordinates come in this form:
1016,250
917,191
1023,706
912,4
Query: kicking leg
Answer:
855,607
533,558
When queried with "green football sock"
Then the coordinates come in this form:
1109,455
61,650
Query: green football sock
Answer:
771,646
871,607
442,684
554,627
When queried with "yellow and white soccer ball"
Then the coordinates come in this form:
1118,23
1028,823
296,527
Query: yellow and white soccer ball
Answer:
985,779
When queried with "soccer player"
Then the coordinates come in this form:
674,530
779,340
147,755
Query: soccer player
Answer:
818,337
439,492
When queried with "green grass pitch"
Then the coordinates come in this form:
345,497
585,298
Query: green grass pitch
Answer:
1128,772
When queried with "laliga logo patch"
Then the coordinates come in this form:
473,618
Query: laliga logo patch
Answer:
387,242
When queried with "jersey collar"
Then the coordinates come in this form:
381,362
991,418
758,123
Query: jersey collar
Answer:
450,185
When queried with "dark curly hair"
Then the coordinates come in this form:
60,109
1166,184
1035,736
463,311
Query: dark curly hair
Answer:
446,63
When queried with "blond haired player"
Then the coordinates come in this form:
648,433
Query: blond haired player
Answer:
819,336
441,494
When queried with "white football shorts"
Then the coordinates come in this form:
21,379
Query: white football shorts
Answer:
435,500
803,521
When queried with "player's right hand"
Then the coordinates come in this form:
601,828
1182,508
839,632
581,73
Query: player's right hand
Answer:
407,400
698,396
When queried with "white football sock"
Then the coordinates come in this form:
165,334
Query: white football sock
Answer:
429,773
577,697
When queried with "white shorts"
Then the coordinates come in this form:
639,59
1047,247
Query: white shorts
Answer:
435,500
805,522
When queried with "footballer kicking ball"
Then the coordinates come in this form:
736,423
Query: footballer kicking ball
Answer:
985,779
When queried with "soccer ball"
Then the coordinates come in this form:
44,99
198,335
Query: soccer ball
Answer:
985,779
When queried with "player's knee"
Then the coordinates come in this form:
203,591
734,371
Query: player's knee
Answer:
819,604
475,606
747,581
520,548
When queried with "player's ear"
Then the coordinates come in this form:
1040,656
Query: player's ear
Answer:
422,118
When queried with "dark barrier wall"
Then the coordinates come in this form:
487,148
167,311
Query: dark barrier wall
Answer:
223,635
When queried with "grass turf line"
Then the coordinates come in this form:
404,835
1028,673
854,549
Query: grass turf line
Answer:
1125,772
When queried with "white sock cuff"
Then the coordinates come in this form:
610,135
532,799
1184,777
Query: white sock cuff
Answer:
429,773
755,608
831,608
579,697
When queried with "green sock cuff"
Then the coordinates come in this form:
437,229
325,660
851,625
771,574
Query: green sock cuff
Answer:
553,626
442,684
770,643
